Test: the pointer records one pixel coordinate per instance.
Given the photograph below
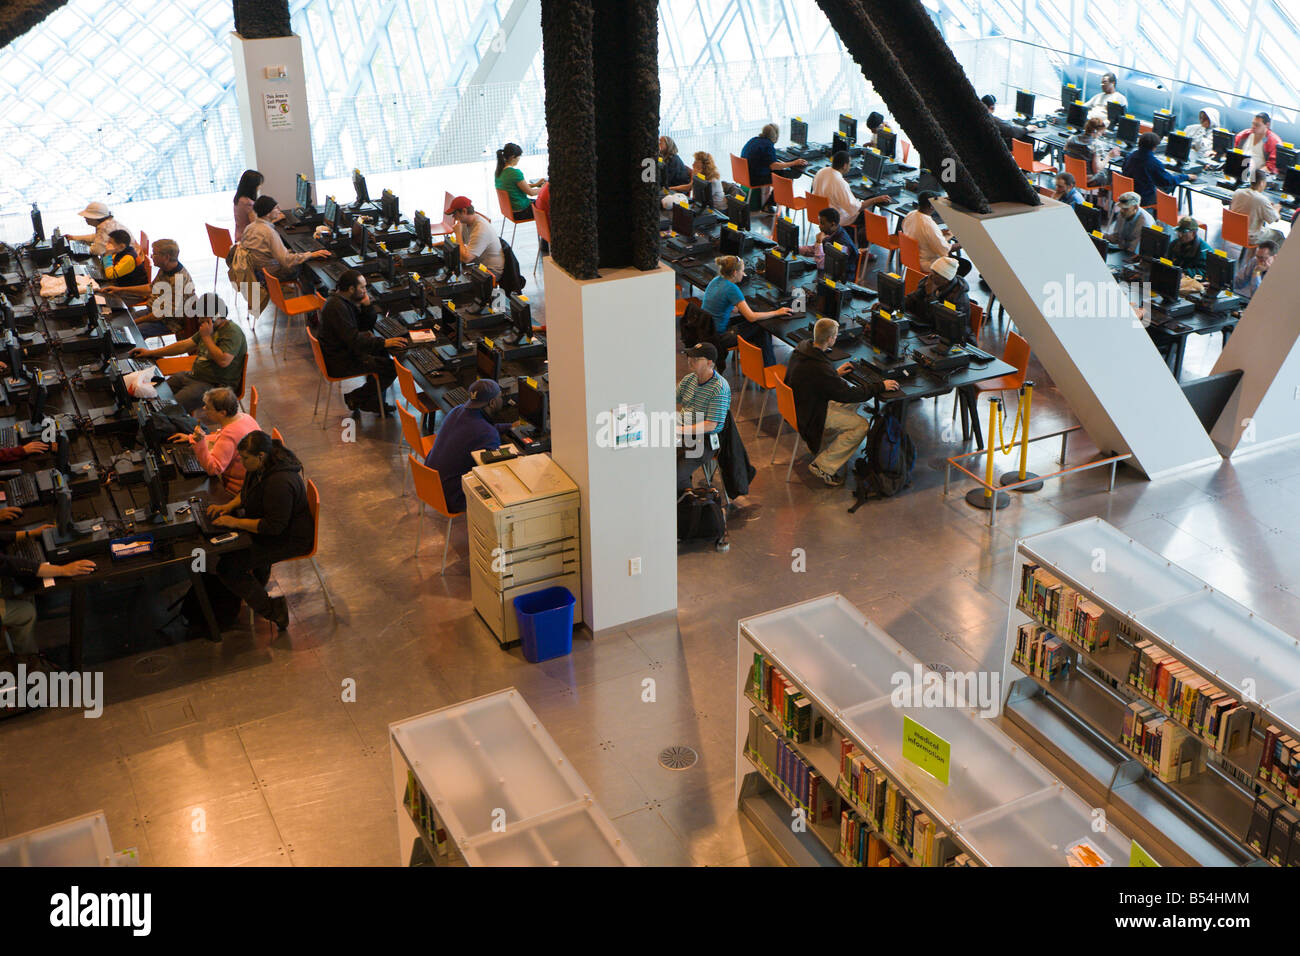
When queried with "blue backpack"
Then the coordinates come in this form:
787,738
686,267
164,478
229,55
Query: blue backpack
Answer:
885,468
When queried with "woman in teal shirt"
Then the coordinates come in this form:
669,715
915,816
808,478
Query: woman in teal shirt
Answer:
511,179
724,301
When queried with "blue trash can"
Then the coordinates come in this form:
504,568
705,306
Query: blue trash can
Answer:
545,623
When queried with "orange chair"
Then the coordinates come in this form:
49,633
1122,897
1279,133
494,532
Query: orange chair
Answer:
784,197
327,378
1015,353
543,220
221,242
1236,229
417,442
909,253
275,433
740,171
976,321
170,365
907,148
1166,208
410,391
1077,168
1023,153
789,416
298,305
428,488
753,369
878,233
912,278
313,504
1119,185
448,224
508,211
252,403
813,205
864,258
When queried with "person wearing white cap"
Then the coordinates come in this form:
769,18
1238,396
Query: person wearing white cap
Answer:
101,220
1126,222
942,284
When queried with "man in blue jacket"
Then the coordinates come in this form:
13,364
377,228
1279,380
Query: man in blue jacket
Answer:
466,429
1148,173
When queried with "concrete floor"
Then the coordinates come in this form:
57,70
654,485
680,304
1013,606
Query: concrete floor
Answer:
244,752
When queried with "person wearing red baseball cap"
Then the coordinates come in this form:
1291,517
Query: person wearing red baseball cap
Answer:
477,239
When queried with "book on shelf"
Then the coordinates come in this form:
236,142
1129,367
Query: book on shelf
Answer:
1280,833
1040,652
1261,823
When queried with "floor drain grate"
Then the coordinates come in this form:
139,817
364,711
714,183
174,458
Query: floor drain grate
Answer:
939,668
152,664
678,757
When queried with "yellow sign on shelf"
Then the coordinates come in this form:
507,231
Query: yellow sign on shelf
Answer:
927,750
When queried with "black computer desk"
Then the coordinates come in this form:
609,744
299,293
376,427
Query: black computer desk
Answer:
111,500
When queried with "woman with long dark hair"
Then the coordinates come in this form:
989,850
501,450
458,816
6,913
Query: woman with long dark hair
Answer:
511,179
273,502
245,195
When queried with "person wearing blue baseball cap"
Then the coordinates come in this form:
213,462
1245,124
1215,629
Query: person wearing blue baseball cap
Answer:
466,429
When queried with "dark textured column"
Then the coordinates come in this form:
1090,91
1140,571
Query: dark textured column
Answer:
906,59
259,19
19,16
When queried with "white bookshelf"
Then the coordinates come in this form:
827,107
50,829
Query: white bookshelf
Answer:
1202,820
500,789
1001,806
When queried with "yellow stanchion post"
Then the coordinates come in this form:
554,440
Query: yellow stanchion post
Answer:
986,498
1023,474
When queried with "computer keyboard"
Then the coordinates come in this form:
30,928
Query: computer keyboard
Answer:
426,361
389,328
28,549
122,338
1217,192
186,460
8,437
21,492
864,375
455,396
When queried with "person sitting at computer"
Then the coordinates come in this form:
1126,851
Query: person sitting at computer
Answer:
510,178
478,241
760,154
919,224
126,268
275,511
1093,150
827,405
726,303
677,178
1250,273
831,232
349,347
1201,133
102,223
1008,130
16,614
171,297
942,284
542,204
703,402
1259,210
706,167
1066,191
1097,103
245,196
1127,221
216,451
219,348
266,250
874,122
1148,173
1188,251
830,184
466,429
1260,143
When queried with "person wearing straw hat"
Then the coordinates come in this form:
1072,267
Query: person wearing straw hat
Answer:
99,219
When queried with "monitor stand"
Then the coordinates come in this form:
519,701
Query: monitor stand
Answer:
1218,300
88,538
1172,308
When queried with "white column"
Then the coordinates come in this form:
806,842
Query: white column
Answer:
1046,271
611,343
275,143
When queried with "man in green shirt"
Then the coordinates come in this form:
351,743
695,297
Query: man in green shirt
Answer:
220,351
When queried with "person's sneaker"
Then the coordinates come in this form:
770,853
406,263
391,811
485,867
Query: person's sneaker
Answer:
830,479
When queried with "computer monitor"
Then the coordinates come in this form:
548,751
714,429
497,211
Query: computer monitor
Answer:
835,262
1100,243
849,127
1126,130
385,260
948,323
534,406
302,192
1291,182
886,142
7,311
731,241
786,234
1219,270
62,452
701,192
826,299
331,214
451,256
1178,147
1089,215
683,221
69,279
359,237
1153,244
489,361
839,142
1025,103
1221,140
388,206
1069,93
118,383
1114,113
146,433
62,508
481,278
15,356
1162,122
738,212
798,131
1165,280
1285,157
38,227
776,269
156,485
38,397
1076,114
359,184
884,333
873,165
423,231
521,316
892,290
1234,164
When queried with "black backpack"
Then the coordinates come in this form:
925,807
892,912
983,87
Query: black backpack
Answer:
512,279
697,325
700,516
885,468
